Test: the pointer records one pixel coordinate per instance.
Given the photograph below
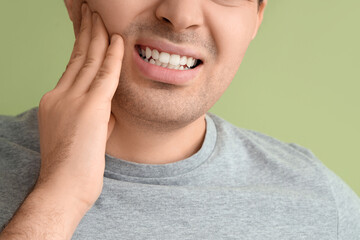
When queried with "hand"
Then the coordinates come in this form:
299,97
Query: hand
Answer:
75,117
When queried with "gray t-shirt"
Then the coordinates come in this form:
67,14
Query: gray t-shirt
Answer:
241,184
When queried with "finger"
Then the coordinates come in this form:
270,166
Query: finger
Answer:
111,126
79,53
107,78
95,57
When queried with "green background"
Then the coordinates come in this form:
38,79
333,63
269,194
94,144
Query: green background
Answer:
299,81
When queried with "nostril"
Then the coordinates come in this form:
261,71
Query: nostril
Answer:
166,20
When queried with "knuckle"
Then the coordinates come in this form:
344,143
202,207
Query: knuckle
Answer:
90,63
96,37
83,28
103,73
95,85
111,55
77,56
47,96
45,100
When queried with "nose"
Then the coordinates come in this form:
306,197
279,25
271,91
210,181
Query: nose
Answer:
180,14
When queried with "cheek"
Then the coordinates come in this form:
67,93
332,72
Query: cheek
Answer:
233,35
117,14
232,41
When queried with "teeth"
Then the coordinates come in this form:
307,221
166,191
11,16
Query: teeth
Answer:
171,66
164,57
165,65
183,60
190,62
143,53
175,59
166,60
148,53
155,54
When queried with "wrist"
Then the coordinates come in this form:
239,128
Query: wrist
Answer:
45,214
52,194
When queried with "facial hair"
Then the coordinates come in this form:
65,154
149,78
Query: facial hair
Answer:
160,106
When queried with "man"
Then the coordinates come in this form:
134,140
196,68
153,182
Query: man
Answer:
139,83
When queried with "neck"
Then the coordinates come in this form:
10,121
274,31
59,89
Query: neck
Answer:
136,142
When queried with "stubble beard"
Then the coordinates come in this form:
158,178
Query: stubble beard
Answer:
159,106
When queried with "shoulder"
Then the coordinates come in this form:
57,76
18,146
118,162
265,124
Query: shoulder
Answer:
292,165
261,146
19,160
21,129
348,206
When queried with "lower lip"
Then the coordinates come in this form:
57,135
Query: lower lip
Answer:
165,75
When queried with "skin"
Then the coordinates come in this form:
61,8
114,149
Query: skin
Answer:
157,123
101,105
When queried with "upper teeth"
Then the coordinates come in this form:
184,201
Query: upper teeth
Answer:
164,59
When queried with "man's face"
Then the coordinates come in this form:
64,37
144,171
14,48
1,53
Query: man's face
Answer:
216,32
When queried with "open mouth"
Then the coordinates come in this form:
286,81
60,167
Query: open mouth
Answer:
167,60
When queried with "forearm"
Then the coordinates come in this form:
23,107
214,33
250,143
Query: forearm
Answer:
72,150
44,215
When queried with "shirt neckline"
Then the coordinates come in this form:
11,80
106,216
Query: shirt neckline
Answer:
115,166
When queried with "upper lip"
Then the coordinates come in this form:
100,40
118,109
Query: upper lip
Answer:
165,46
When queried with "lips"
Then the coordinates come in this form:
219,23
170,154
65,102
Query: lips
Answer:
161,61
164,46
